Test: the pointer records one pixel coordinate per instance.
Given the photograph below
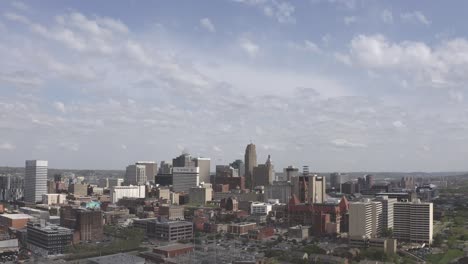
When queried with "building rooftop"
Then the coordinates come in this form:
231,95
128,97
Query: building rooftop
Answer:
17,216
117,258
176,246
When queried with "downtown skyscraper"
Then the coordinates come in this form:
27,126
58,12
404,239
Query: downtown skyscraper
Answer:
35,180
250,160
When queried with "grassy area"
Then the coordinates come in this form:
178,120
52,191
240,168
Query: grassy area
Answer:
125,239
446,257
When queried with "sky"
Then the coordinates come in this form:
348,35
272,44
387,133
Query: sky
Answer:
338,85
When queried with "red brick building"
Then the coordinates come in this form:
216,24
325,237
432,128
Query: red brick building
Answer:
173,250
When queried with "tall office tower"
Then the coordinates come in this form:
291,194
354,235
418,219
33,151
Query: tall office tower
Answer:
184,160
250,160
290,172
263,174
407,182
239,165
184,178
35,180
11,188
387,211
370,180
151,169
365,219
309,188
228,175
204,165
280,190
135,175
413,221
165,168
336,179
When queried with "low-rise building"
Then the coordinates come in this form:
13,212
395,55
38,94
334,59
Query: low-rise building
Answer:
240,228
118,192
299,232
14,220
174,250
172,212
202,194
117,258
54,198
47,240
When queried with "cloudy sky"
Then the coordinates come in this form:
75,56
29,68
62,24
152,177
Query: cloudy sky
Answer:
339,85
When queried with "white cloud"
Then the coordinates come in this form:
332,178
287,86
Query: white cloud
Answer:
20,5
348,4
343,58
207,24
343,143
416,16
348,20
387,16
456,95
307,45
70,146
443,65
249,47
282,11
217,149
15,17
123,146
398,124
21,78
7,146
59,106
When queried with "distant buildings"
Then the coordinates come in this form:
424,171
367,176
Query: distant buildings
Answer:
54,198
204,168
200,195
118,192
289,173
11,188
35,180
250,160
413,221
135,174
240,166
309,188
365,219
151,169
280,190
228,175
407,183
78,189
336,181
185,178
263,174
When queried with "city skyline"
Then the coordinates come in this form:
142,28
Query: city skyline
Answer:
338,85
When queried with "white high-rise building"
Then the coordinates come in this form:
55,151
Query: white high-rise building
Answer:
135,174
204,165
119,192
35,180
184,178
413,221
365,219
387,211
151,169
